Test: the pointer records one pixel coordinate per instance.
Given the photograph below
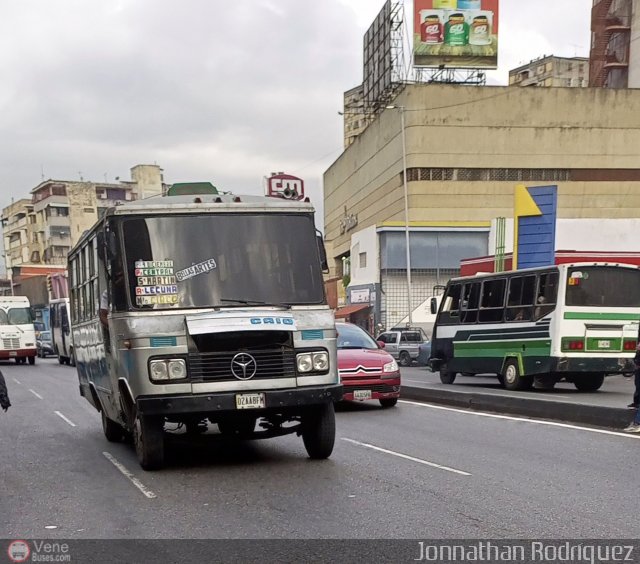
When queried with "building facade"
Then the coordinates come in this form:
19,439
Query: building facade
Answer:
43,229
354,114
552,71
615,44
466,150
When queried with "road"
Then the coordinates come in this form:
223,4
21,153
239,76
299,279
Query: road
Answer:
414,471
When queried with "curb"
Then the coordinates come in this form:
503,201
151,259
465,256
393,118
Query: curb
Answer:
594,415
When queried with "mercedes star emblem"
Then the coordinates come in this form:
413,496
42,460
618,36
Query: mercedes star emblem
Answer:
244,366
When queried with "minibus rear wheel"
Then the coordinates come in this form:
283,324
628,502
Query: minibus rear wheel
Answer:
512,378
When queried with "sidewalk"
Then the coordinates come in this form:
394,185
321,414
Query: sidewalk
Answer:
604,408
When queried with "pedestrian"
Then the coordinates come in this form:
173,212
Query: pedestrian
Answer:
635,404
4,396
634,427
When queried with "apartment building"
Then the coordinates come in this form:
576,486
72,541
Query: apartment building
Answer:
615,44
552,71
44,228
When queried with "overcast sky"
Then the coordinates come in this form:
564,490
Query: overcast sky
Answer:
209,90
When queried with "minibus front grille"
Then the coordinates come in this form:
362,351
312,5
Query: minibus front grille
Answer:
11,343
217,366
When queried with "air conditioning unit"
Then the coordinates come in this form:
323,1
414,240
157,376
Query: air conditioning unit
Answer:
127,196
103,195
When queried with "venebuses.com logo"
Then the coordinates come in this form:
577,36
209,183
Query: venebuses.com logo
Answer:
19,551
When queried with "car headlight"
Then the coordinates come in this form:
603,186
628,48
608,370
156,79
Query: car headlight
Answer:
158,370
312,362
390,367
177,369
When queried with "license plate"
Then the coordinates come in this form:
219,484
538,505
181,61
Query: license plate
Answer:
604,344
250,401
361,395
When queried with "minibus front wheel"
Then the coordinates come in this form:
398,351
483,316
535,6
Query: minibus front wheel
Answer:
148,438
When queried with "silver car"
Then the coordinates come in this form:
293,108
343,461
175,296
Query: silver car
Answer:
403,343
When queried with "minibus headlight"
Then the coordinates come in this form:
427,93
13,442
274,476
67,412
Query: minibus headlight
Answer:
158,370
304,362
320,362
177,369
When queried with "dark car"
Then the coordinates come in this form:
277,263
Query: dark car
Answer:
44,345
424,352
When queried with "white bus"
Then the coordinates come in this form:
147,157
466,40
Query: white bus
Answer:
577,322
60,322
17,332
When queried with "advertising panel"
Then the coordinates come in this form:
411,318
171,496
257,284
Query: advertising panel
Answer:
378,67
455,33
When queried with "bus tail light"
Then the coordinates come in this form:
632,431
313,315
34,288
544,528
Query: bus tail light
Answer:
630,345
573,344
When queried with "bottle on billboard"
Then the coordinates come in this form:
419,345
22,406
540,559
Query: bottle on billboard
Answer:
431,28
445,4
480,30
469,4
456,30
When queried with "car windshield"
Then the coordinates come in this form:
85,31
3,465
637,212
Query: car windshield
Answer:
222,259
352,337
45,336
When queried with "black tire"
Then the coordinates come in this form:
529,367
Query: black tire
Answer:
148,439
32,360
446,376
114,432
237,427
72,358
388,402
60,359
512,379
319,431
544,382
589,383
404,359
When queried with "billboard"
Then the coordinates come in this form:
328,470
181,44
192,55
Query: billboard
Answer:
455,33
378,66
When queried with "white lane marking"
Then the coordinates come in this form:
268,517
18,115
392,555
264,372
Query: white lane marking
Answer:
64,418
137,483
35,394
17,381
523,419
407,457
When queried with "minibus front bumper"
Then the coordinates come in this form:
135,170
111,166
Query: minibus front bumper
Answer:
289,399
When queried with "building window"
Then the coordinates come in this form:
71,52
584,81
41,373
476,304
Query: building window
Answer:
59,190
363,260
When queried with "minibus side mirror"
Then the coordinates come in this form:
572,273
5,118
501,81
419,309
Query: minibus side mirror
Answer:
434,305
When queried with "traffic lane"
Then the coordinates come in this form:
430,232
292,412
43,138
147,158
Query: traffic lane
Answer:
254,489
524,472
616,391
211,489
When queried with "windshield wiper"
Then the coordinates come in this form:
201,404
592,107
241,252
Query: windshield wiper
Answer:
255,302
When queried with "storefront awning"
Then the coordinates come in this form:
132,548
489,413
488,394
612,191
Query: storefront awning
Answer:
344,312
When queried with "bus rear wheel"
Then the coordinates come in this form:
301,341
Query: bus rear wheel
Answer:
32,360
589,383
512,379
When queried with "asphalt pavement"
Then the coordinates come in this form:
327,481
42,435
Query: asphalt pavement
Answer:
413,471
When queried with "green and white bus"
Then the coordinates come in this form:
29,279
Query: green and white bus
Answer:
577,322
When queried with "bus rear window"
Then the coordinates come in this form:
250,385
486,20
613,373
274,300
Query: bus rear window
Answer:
602,286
